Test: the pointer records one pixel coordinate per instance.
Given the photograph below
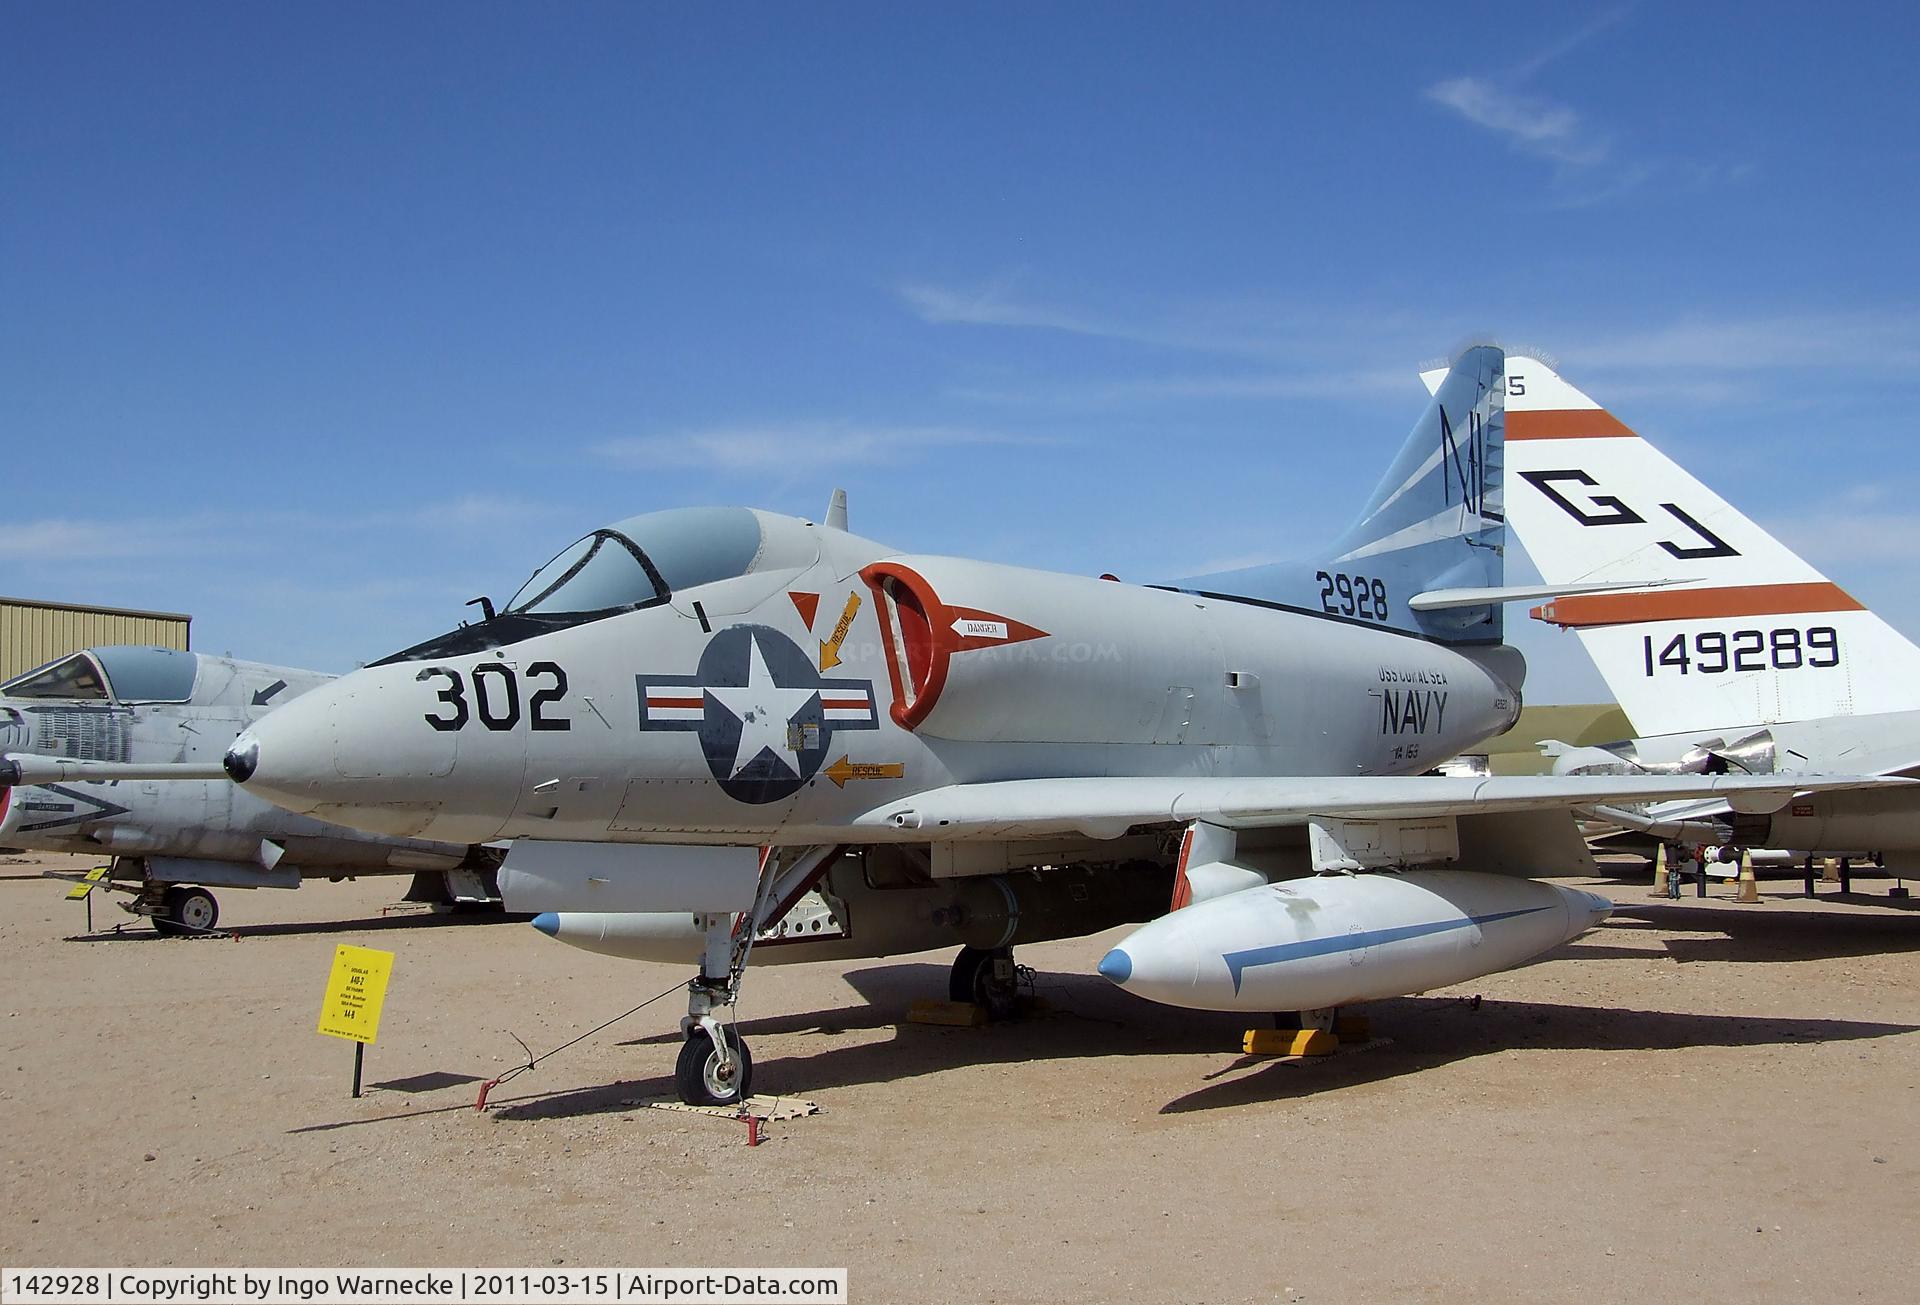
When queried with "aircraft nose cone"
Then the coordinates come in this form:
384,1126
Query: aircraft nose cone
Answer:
242,759
1116,966
547,922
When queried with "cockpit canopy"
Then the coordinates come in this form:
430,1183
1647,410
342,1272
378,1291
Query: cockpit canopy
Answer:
639,562
642,560
116,673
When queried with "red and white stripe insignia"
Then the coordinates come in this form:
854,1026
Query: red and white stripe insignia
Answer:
675,702
839,705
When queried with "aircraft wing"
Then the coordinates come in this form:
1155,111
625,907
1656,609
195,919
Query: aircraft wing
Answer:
1107,808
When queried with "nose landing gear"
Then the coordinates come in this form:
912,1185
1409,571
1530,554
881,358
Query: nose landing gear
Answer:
715,1068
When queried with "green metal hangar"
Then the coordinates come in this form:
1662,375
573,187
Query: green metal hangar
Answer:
33,632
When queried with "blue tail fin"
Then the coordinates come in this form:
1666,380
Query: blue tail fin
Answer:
1434,522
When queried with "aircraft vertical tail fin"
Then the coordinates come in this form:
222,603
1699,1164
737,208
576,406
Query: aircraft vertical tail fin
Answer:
1742,630
1434,522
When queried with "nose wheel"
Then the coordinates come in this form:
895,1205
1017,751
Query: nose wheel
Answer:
705,1077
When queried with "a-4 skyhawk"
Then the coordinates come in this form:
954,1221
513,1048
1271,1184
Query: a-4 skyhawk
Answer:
689,722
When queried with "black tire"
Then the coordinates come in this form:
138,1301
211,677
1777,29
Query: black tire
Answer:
972,981
189,911
966,968
696,1073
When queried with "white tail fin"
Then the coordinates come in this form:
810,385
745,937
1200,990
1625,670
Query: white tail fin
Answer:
1746,631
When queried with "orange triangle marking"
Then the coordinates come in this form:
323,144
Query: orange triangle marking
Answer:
807,604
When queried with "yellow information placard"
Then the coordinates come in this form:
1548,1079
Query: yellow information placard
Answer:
355,991
87,885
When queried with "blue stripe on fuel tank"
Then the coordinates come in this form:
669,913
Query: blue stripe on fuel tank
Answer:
1239,962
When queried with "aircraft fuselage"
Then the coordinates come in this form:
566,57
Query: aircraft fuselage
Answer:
782,705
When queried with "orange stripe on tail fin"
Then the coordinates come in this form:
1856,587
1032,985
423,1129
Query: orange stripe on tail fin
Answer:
1696,604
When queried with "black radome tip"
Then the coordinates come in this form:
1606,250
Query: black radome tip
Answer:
240,761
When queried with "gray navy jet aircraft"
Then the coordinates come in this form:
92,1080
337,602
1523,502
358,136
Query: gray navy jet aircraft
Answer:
172,839
706,729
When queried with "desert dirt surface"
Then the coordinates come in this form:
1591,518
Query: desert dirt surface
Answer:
1698,1100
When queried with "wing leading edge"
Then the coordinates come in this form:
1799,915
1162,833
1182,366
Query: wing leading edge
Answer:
1107,808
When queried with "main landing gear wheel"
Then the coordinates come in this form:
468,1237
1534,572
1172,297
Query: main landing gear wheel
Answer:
703,1080
189,910
986,977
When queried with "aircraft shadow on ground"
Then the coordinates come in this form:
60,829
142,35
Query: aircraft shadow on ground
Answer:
1433,1031
1773,931
132,931
1089,1020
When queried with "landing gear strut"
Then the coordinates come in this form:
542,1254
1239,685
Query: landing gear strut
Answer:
986,977
715,1068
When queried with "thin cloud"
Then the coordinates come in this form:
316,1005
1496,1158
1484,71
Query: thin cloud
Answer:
1313,383
993,306
1531,124
1588,169
1884,342
486,509
780,446
1843,539
1358,351
1223,327
73,539
1567,44
249,533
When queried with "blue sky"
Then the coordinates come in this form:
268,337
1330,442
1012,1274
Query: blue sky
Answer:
316,322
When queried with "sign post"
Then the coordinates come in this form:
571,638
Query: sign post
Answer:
356,989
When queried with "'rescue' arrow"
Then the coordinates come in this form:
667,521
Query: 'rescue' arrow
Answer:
830,648
261,698
843,770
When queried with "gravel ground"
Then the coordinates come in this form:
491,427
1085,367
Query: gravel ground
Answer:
1698,1100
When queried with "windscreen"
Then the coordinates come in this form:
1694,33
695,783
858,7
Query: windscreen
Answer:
602,572
70,677
631,564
